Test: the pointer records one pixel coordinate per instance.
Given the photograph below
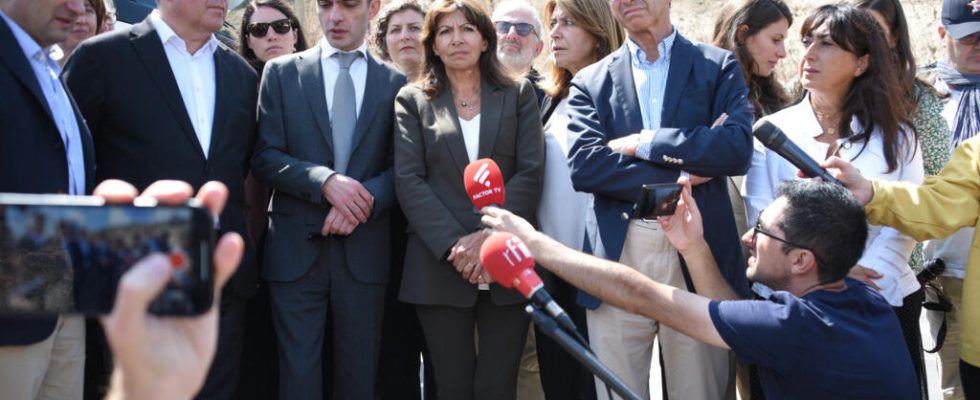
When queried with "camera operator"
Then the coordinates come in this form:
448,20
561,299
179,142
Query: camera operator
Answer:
819,335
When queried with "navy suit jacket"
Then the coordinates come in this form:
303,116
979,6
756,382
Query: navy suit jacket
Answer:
32,157
702,83
294,157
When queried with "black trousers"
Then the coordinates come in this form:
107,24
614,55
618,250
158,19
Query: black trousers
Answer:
970,376
562,376
465,370
222,379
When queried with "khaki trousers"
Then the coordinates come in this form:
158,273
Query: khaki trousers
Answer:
949,355
51,369
624,341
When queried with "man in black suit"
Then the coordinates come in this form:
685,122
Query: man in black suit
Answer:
44,148
325,148
175,103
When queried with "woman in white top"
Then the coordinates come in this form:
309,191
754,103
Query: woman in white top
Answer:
853,105
581,32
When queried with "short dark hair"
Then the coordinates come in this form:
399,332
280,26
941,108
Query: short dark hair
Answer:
433,79
384,17
283,7
826,219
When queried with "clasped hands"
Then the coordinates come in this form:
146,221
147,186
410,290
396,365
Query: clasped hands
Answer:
351,205
465,256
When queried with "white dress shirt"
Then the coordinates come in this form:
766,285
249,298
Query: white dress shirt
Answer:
887,251
471,136
331,66
195,78
47,72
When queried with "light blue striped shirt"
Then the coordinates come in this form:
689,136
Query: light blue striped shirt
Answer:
650,82
47,72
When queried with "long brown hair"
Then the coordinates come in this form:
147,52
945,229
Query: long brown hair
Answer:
433,79
875,97
280,5
765,92
595,17
894,16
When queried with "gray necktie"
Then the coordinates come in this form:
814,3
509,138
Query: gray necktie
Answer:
344,113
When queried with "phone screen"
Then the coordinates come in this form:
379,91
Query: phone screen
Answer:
69,258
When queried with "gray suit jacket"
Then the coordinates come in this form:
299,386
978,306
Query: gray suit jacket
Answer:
294,157
430,157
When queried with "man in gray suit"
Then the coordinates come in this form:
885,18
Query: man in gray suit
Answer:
325,147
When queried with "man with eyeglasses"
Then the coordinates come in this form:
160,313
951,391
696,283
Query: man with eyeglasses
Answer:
820,335
657,108
519,41
959,76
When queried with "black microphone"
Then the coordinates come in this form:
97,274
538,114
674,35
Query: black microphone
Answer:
776,140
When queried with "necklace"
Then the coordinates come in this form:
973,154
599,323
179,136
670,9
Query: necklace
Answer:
468,103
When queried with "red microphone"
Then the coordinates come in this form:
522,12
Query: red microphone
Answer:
510,263
484,183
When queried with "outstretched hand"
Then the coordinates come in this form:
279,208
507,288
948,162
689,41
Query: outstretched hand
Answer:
684,229
164,357
850,176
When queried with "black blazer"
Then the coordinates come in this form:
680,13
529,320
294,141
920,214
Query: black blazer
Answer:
32,157
430,156
129,96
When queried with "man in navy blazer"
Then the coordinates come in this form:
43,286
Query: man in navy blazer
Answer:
44,148
655,109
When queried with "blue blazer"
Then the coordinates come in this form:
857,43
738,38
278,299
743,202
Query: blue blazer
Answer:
32,157
703,82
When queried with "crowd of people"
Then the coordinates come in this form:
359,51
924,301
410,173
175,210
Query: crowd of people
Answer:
351,255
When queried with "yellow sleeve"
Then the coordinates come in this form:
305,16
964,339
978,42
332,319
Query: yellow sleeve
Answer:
943,203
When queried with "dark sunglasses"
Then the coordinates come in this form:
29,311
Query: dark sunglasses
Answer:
259,29
523,28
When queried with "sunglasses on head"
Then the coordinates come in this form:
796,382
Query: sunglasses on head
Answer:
523,28
259,29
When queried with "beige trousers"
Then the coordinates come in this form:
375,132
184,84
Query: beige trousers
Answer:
51,369
624,341
949,355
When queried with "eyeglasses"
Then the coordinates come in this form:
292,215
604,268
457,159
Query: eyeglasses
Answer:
969,40
523,28
259,29
759,229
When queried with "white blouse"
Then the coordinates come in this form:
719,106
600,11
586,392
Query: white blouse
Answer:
563,213
887,251
471,136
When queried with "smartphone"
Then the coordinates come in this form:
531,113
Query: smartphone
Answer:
65,254
656,199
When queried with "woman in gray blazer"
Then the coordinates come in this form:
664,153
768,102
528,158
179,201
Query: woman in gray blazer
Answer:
463,108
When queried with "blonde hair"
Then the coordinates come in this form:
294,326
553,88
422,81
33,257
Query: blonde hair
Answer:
595,17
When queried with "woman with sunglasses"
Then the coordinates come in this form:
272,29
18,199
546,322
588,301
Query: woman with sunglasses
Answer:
853,106
581,33
398,35
269,29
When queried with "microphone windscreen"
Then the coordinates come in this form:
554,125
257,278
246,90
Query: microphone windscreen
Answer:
768,134
509,262
484,183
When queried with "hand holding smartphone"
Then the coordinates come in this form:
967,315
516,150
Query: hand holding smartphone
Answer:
66,254
655,200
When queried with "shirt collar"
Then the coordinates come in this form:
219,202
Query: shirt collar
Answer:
167,35
326,50
32,50
664,48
